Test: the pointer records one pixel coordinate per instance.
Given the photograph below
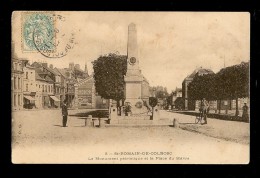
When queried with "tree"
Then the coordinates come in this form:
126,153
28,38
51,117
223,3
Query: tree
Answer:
159,91
169,100
202,86
229,83
109,71
153,102
233,82
179,103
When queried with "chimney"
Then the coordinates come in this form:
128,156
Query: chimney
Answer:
51,66
45,64
77,66
71,66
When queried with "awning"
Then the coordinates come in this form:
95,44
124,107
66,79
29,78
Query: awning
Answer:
29,98
54,98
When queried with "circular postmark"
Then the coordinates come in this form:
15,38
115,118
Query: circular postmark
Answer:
42,34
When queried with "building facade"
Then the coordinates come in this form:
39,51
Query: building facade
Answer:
17,84
29,86
86,97
176,94
52,92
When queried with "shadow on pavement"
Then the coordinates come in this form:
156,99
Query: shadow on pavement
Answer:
187,123
97,113
58,125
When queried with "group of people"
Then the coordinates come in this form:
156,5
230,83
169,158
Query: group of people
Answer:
204,110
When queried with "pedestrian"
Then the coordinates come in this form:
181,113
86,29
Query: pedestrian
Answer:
245,112
64,114
204,106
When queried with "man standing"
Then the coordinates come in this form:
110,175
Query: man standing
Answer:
204,109
64,114
245,112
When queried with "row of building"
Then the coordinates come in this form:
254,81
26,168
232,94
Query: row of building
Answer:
39,85
181,99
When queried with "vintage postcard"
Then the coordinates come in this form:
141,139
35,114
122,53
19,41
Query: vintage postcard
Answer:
101,87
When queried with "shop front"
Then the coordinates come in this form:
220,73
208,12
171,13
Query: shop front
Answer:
55,102
29,102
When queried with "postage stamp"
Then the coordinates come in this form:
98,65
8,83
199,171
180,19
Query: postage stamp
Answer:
42,33
38,31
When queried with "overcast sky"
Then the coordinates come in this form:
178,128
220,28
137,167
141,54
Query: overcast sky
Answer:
171,44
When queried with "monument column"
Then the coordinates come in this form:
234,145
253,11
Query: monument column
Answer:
133,78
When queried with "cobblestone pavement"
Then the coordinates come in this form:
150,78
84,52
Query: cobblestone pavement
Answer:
38,137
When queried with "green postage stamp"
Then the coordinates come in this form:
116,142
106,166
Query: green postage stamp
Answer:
38,31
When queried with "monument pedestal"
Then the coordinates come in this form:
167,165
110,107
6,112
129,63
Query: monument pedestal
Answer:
133,92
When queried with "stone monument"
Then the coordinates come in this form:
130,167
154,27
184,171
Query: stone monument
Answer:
133,77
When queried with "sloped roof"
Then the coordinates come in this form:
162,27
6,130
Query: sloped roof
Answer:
86,79
52,71
79,70
37,76
48,79
36,64
178,89
62,72
200,71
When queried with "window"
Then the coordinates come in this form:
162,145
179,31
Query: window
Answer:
36,85
49,88
14,99
26,75
26,86
39,86
19,100
14,82
45,88
42,88
19,83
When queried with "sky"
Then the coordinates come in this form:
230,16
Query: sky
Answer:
171,45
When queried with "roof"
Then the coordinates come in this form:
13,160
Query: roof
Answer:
79,70
36,64
52,71
62,72
37,77
178,89
86,79
48,79
199,71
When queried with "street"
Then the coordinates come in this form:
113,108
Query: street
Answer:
38,137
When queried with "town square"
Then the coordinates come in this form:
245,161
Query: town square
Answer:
170,88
